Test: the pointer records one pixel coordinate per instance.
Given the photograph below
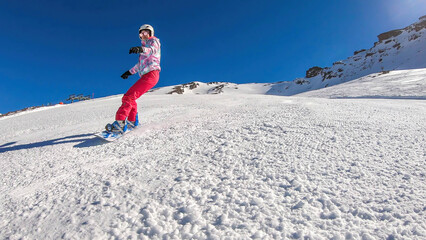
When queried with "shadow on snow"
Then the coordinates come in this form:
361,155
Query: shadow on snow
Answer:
84,140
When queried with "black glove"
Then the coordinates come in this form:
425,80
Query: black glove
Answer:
136,50
126,75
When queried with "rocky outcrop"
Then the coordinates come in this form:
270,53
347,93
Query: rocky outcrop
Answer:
326,73
301,81
216,90
359,51
418,26
394,33
180,89
313,72
387,35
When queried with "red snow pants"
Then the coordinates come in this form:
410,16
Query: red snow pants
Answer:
129,107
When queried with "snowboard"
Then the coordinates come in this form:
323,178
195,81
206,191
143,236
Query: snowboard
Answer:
112,136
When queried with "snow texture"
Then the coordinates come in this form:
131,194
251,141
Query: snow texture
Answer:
217,166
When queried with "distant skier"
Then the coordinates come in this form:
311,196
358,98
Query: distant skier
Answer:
149,69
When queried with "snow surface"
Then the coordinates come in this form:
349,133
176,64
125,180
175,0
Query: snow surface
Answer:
217,166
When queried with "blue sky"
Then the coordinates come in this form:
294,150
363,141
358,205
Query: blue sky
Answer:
51,49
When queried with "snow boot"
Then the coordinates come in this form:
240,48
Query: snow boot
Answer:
133,124
116,127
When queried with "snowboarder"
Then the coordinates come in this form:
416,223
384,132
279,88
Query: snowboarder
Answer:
149,69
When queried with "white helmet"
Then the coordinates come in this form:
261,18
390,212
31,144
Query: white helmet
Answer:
147,27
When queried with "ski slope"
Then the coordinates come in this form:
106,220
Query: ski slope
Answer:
218,166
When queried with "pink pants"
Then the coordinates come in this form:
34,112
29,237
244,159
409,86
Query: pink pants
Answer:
129,107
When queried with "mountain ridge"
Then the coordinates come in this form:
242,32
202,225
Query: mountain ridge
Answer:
399,49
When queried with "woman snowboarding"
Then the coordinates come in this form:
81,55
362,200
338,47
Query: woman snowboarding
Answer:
149,69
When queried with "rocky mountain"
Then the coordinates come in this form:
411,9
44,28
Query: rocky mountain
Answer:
400,49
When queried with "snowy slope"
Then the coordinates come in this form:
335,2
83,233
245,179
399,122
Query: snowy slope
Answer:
406,84
216,166
401,84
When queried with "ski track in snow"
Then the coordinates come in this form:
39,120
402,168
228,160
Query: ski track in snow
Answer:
244,166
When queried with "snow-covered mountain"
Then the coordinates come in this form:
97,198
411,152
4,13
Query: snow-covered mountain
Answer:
404,84
401,49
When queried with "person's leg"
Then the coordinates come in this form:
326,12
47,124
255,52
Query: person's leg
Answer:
129,106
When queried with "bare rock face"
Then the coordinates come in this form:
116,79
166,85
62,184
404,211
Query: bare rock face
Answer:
178,90
217,89
394,33
301,81
181,88
313,71
387,35
359,51
328,74
419,26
